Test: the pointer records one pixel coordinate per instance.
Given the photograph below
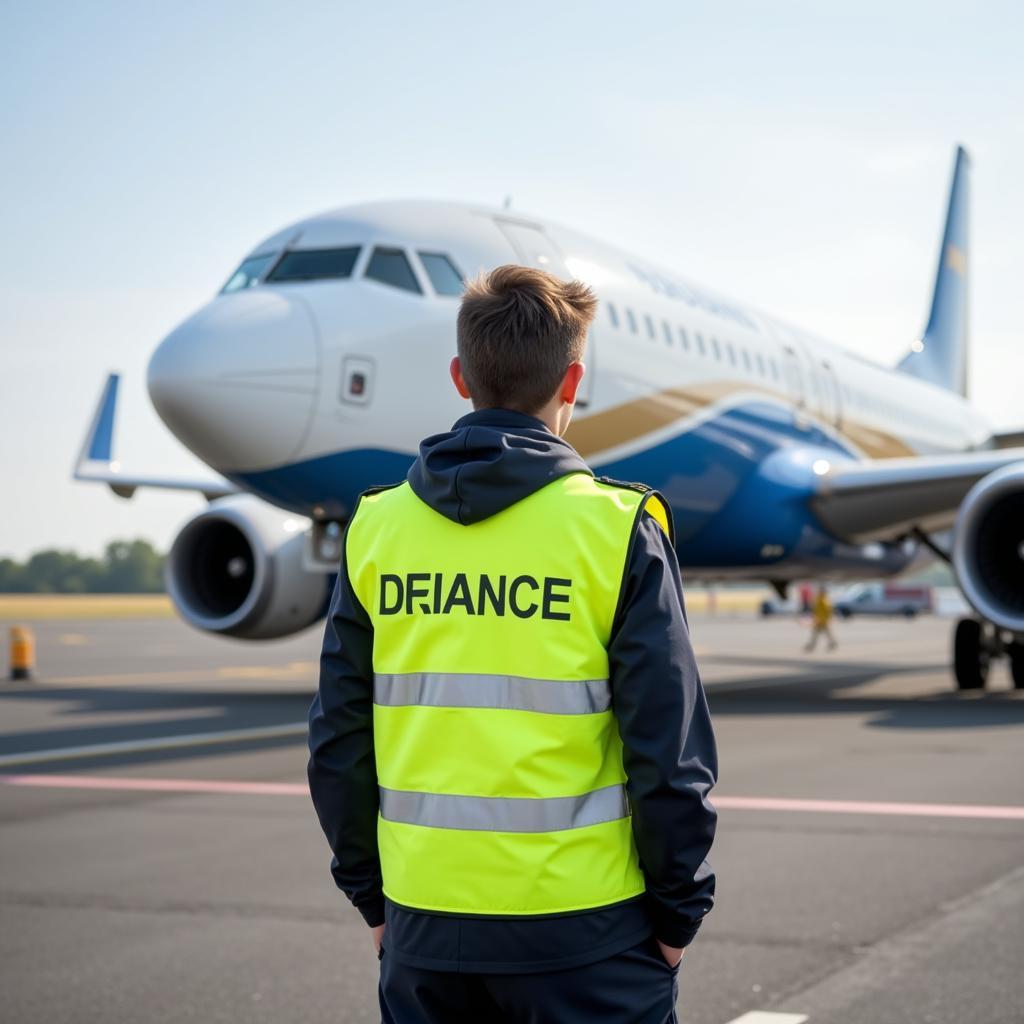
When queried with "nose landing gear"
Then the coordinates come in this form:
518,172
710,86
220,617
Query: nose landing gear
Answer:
976,644
1015,651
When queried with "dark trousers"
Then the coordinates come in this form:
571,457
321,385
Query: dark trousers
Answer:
632,987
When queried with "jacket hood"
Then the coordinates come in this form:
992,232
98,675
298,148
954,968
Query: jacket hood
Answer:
489,460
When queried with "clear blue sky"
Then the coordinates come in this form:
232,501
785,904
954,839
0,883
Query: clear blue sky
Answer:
792,158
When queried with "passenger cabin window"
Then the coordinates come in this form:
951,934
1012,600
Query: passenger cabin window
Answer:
391,266
716,349
760,364
314,265
632,321
613,315
731,353
746,359
650,325
668,332
444,275
700,344
684,339
248,274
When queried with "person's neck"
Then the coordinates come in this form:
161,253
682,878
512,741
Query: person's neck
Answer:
554,417
551,416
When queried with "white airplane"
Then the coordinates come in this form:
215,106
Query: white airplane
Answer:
323,361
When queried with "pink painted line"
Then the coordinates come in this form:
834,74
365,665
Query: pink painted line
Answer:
768,803
991,812
156,785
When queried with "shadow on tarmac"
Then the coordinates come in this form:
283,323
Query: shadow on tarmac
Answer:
788,686
176,712
808,688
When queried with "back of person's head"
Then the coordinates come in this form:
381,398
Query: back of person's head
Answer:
519,330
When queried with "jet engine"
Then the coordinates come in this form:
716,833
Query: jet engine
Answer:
236,569
988,548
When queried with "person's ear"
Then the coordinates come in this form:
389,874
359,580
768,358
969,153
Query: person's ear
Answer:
571,382
455,369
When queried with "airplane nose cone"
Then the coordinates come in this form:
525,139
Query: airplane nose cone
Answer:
236,382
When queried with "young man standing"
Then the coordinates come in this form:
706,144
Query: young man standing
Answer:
511,752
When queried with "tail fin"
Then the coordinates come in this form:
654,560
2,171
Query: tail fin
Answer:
941,355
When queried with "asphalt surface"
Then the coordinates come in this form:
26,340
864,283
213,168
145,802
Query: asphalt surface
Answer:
209,899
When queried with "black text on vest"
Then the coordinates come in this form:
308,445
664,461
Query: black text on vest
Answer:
431,593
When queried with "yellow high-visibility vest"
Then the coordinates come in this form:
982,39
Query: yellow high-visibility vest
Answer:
498,758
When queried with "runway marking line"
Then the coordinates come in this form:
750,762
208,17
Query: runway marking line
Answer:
901,810
156,785
156,743
114,782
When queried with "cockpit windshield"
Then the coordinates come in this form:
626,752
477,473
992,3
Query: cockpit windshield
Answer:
249,273
387,264
443,274
314,265
391,266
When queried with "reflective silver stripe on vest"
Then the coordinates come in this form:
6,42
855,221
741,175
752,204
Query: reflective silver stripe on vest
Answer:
468,690
504,814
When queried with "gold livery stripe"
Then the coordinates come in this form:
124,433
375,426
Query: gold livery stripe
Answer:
602,431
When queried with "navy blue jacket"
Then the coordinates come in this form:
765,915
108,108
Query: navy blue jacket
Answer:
491,459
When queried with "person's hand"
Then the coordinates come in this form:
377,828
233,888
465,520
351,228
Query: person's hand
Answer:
673,954
378,937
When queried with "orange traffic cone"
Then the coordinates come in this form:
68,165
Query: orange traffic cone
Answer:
23,652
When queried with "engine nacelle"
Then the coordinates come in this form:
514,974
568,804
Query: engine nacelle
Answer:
988,547
236,569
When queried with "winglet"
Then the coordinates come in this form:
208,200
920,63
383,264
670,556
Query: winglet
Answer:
941,354
98,445
96,461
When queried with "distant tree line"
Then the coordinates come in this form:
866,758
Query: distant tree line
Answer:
126,567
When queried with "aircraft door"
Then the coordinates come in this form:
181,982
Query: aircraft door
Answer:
535,249
831,397
794,378
586,388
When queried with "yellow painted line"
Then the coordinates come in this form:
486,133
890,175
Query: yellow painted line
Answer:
296,670
73,640
40,607
180,742
724,600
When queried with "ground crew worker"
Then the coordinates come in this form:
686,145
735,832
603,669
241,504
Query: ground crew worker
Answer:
511,752
821,618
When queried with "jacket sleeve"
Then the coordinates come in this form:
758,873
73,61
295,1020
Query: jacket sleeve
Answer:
342,772
668,744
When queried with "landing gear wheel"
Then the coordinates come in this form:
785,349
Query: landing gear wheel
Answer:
1016,653
971,655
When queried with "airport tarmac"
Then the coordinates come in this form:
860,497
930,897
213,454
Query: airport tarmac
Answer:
870,853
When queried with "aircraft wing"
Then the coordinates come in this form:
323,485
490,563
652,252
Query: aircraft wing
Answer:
869,501
96,459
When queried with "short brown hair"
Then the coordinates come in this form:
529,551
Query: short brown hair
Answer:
519,330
